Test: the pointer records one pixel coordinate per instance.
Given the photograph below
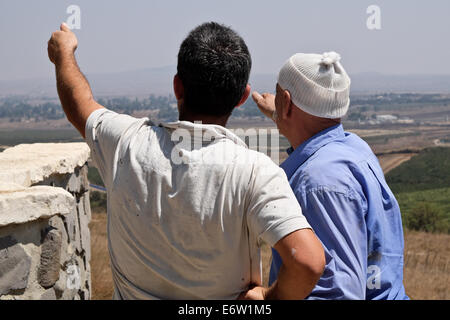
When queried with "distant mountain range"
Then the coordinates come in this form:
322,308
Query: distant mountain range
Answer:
158,81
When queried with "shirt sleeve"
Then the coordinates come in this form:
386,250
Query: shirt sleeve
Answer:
273,211
104,129
339,223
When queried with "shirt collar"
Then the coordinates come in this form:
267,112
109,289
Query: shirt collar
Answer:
298,156
199,131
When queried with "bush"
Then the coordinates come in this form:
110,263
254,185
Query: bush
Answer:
427,217
98,201
94,177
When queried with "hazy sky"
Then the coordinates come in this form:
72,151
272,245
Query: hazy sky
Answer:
134,34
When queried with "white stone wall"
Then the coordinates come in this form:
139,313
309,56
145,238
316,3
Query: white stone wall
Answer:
44,216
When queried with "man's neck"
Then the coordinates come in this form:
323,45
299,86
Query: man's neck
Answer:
205,119
304,133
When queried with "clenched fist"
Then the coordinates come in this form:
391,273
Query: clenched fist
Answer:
62,44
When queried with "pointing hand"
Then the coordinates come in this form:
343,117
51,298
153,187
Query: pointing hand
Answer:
265,102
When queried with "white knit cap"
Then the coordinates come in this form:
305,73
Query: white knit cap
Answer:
318,84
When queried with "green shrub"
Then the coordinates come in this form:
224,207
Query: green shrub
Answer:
94,177
427,217
98,201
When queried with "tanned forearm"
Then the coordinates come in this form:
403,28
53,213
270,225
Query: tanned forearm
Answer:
73,88
303,263
292,285
74,93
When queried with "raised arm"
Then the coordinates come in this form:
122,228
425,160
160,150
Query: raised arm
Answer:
73,88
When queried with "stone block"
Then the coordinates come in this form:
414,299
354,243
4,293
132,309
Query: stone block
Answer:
58,224
74,183
62,290
49,295
87,205
40,202
78,182
29,164
72,225
83,174
85,235
49,267
15,266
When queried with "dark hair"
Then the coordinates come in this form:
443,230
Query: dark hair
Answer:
214,66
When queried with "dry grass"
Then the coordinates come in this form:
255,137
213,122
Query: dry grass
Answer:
427,263
427,266
266,256
102,284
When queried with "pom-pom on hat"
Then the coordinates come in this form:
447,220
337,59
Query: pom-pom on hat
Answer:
318,84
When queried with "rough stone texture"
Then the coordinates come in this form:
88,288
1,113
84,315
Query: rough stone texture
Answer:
58,224
61,289
88,282
15,266
49,268
49,295
33,204
87,205
75,224
30,164
6,187
85,234
76,183
44,222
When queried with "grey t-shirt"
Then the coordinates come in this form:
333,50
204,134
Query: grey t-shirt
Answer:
187,223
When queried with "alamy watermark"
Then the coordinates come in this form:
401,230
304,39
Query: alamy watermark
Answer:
74,20
188,140
73,281
374,277
374,19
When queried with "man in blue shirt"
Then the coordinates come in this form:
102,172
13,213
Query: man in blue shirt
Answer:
338,182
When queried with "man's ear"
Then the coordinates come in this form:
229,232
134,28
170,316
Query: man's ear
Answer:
287,104
245,96
178,87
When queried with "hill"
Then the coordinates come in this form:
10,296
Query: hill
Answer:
159,81
422,188
430,169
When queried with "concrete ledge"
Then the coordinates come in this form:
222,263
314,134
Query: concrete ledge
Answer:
33,204
26,165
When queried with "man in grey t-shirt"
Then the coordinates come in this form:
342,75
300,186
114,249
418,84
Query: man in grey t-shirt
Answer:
183,222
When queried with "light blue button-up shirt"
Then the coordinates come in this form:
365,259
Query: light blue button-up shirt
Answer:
343,193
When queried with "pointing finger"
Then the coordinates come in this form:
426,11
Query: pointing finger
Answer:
256,96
